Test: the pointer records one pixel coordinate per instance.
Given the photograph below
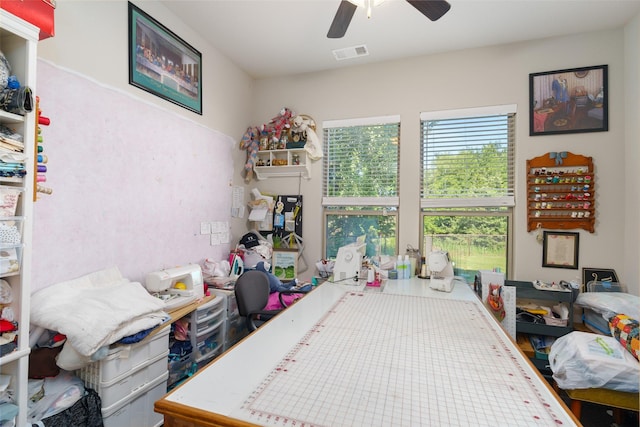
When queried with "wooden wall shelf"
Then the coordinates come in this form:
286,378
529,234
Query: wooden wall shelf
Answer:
561,192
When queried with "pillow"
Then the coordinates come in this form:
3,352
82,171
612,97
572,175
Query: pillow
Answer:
626,330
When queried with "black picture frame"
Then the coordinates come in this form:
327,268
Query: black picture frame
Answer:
573,100
599,275
162,63
560,249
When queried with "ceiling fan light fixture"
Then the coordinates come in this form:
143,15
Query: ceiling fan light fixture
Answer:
368,5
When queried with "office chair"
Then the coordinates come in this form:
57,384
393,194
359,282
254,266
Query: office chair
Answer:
252,294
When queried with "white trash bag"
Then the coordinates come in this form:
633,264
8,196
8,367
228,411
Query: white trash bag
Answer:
584,360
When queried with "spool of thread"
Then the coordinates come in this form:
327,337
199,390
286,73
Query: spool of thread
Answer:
45,121
40,138
41,178
42,158
370,276
42,168
45,190
40,149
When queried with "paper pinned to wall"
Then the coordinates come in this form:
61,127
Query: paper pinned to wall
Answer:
237,202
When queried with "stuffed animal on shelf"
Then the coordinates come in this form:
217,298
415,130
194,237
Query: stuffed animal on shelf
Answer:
250,142
279,123
306,125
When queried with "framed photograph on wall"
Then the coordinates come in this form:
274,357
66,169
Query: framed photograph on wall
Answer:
560,249
569,101
162,63
284,264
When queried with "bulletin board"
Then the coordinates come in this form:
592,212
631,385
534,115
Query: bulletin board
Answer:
287,216
132,183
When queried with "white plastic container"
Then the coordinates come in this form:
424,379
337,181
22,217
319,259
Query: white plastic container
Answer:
208,342
126,384
124,359
205,311
136,409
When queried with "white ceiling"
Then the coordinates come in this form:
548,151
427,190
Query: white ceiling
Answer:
269,38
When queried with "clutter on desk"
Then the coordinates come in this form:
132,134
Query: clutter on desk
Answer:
325,267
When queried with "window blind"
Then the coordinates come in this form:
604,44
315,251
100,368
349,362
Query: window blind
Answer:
361,162
468,158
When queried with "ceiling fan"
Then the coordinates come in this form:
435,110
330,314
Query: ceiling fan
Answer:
432,9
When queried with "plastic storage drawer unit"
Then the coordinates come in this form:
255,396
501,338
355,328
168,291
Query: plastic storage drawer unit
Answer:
136,410
123,359
207,310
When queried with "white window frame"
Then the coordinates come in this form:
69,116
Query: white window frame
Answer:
505,201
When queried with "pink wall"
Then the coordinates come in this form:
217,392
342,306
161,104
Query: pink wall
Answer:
131,183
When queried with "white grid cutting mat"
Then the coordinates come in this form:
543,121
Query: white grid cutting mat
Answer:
392,360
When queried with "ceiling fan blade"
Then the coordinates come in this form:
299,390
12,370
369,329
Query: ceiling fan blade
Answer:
341,20
432,9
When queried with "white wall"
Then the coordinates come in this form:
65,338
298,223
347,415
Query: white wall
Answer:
632,154
98,178
471,78
91,39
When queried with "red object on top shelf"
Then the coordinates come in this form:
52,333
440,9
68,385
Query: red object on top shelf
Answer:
36,12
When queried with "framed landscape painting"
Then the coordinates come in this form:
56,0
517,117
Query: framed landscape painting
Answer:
284,264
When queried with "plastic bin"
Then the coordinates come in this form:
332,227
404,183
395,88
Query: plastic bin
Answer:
113,391
207,310
179,369
207,344
136,409
123,359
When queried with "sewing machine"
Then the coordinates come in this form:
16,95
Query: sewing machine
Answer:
349,263
441,271
176,286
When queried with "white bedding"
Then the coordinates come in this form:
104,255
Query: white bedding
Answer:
96,310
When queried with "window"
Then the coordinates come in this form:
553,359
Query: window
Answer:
360,183
467,186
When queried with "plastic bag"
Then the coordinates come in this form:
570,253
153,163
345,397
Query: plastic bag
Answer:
585,360
53,395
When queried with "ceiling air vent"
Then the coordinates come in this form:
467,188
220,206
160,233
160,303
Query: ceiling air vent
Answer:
350,52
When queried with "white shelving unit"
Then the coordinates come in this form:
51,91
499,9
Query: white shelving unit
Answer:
285,162
18,42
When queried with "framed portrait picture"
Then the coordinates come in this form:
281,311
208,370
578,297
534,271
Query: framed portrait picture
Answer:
560,249
284,264
569,101
162,63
